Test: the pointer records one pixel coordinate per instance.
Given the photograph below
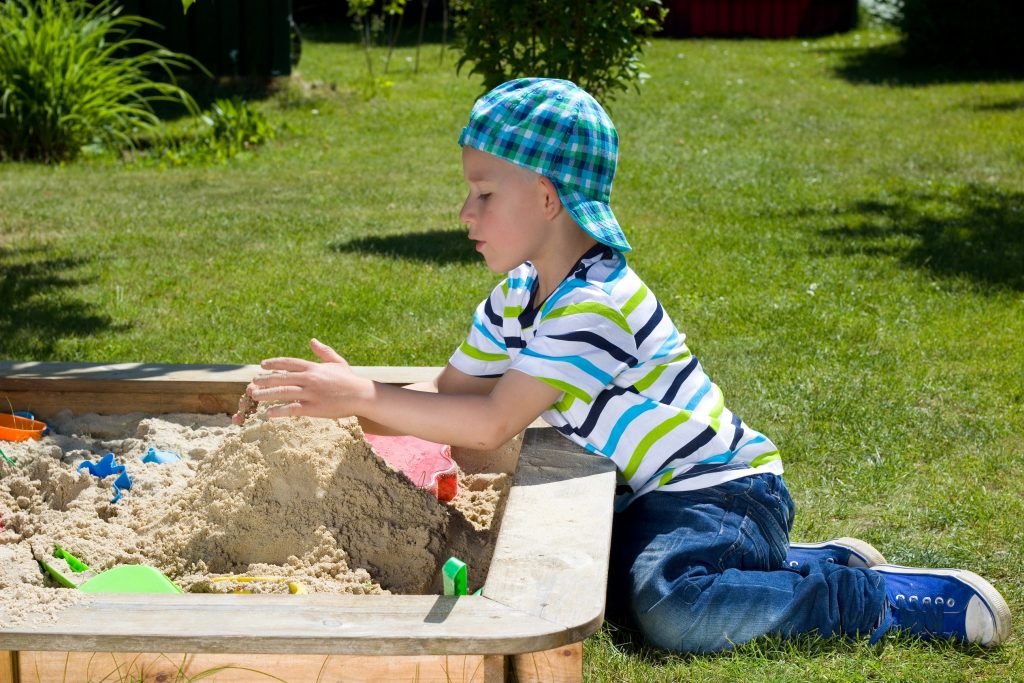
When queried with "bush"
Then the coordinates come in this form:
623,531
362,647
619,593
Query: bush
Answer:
595,43
71,74
983,33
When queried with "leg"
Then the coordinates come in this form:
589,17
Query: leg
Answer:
703,570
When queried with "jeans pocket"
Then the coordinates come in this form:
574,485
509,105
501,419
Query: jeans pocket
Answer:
767,521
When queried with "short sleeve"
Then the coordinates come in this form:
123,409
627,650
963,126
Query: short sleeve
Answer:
484,353
582,343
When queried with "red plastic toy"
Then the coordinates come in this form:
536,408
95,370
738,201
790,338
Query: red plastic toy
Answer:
428,465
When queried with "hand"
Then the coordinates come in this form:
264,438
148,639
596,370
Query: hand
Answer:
326,389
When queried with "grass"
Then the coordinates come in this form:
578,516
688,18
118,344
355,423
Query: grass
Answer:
841,238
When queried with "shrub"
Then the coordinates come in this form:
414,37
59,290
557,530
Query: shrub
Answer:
982,33
595,43
71,74
228,128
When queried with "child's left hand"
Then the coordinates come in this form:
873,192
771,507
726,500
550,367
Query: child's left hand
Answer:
326,389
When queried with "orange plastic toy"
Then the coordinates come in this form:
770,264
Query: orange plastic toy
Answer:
17,428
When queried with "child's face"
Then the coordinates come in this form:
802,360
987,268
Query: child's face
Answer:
504,210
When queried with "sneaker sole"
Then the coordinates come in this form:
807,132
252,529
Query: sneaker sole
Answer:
867,553
985,590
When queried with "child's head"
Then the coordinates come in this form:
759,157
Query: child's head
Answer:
556,129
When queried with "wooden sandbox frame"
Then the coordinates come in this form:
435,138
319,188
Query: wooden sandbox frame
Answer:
543,595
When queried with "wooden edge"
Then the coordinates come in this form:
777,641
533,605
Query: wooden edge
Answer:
11,372
309,624
45,389
552,575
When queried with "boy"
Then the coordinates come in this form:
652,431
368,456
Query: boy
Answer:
700,548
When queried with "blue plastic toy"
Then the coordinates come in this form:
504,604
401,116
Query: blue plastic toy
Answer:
160,457
106,467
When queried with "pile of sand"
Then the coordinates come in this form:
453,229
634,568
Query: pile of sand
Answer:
302,499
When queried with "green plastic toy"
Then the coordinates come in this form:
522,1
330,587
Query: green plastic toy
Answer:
125,578
454,574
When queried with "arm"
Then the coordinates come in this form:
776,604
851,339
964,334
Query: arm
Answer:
470,411
449,381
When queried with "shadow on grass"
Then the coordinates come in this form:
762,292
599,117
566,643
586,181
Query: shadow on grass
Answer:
889,65
40,308
1005,105
434,246
971,231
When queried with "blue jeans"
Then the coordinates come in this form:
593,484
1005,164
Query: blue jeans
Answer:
700,571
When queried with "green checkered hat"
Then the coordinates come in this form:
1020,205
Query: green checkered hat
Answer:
556,129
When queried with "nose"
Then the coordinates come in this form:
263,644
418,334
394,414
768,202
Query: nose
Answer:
466,215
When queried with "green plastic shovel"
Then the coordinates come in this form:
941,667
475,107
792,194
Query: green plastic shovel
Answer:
125,578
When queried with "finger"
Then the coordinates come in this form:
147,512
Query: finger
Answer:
325,352
285,393
274,379
285,410
288,364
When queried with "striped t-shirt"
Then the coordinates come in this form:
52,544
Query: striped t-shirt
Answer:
632,390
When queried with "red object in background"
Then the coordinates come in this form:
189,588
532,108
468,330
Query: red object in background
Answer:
758,18
428,465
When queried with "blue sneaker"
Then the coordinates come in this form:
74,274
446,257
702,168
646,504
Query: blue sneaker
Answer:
849,552
943,603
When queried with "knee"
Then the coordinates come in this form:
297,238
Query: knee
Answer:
680,627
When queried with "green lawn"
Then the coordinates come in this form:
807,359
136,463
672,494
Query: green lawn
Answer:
842,240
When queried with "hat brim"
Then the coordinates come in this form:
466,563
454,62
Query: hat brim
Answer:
594,217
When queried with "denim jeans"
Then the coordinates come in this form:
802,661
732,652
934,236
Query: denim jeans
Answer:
700,571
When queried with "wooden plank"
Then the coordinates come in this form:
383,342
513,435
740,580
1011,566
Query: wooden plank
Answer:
124,666
132,373
107,388
9,667
561,665
552,575
272,624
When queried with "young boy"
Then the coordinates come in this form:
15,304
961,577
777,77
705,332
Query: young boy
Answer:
700,549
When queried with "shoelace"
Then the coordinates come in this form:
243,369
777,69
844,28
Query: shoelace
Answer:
923,616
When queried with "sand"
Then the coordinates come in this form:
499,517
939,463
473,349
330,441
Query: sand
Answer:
302,501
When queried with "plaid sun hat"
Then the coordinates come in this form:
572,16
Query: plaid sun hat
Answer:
554,128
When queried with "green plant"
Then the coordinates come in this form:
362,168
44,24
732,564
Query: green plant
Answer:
228,128
71,74
595,43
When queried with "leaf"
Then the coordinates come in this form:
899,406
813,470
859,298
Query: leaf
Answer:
185,4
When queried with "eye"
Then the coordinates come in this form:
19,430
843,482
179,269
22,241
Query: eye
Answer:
484,196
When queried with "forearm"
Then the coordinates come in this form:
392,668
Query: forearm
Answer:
371,427
467,420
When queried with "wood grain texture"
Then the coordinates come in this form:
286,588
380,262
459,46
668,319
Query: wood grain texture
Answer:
146,667
108,388
558,574
9,667
561,665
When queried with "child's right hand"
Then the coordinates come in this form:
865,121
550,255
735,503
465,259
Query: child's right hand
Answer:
301,387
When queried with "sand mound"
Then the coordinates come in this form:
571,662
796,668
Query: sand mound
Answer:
302,499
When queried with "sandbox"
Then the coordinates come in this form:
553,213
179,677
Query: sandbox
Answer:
543,594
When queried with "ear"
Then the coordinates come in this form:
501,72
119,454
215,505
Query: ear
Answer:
552,203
